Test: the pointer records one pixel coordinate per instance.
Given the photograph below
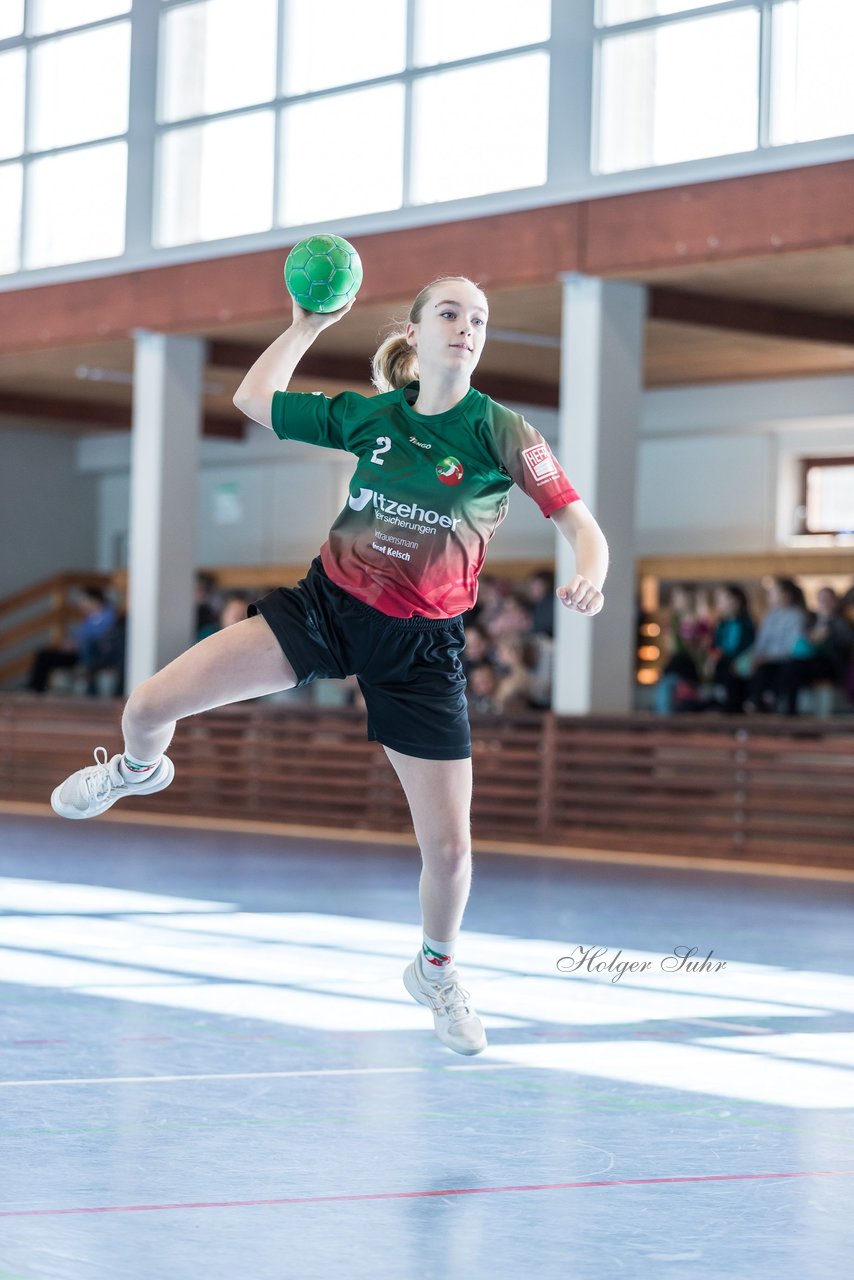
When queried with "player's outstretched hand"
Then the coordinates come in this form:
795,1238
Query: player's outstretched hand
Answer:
318,320
581,596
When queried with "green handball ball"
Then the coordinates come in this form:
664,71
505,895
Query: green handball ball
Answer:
323,273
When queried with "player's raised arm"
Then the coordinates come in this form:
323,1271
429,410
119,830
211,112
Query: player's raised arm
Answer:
274,368
323,274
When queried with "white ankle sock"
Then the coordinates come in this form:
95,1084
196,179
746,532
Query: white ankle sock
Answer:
437,958
133,770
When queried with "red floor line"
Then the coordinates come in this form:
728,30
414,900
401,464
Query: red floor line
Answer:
409,1195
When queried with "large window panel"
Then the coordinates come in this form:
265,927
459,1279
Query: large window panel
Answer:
812,94
334,42
11,18
448,29
679,92
76,205
217,55
216,180
11,186
12,86
609,12
57,15
342,154
79,88
481,128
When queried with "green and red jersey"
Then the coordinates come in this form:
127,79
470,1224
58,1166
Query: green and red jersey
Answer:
427,494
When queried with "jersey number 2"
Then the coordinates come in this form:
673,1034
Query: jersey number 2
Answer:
383,446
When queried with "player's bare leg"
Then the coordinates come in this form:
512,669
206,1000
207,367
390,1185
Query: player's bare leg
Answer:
439,796
242,661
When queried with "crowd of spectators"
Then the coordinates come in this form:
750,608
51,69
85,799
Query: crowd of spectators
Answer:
92,651
717,654
719,657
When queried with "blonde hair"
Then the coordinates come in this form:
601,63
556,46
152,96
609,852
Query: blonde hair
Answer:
396,362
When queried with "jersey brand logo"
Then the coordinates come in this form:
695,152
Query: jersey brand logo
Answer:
540,461
361,500
420,443
450,470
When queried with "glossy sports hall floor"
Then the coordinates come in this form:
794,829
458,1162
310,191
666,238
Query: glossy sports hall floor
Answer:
210,1067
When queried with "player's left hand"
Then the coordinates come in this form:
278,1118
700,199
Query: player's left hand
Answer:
581,596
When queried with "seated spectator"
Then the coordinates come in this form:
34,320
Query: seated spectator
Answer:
733,636
781,637
233,609
477,647
513,618
514,675
831,639
208,605
482,689
490,598
93,644
539,591
686,637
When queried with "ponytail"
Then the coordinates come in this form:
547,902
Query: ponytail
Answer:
395,364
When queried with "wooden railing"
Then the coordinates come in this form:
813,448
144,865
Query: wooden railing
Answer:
38,616
734,788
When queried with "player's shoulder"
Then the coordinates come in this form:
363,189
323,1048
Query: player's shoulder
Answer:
495,414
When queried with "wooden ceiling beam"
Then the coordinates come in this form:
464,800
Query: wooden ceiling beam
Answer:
739,316
348,368
94,413
336,368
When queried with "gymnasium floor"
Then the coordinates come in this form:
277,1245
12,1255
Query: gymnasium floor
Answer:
210,1068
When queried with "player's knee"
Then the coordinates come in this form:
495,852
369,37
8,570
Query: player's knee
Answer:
145,707
448,855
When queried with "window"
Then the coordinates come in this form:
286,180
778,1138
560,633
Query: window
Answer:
199,72
11,19
79,87
614,11
446,30
327,43
216,179
329,154
11,185
65,85
12,88
827,495
366,117
481,128
811,89
76,205
674,83
679,91
47,16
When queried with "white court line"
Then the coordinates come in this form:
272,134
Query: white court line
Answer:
265,1075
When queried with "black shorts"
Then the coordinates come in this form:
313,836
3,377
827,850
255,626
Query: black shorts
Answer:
408,669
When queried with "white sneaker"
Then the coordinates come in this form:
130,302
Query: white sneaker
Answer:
457,1025
89,792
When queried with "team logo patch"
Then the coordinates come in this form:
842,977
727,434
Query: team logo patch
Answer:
540,461
450,470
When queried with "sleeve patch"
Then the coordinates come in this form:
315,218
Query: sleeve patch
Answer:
540,461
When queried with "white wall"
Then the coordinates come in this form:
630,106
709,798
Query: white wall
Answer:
718,467
48,516
258,502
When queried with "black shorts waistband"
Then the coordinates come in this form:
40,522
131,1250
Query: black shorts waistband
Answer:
415,623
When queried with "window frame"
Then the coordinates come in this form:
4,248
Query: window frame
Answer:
805,465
